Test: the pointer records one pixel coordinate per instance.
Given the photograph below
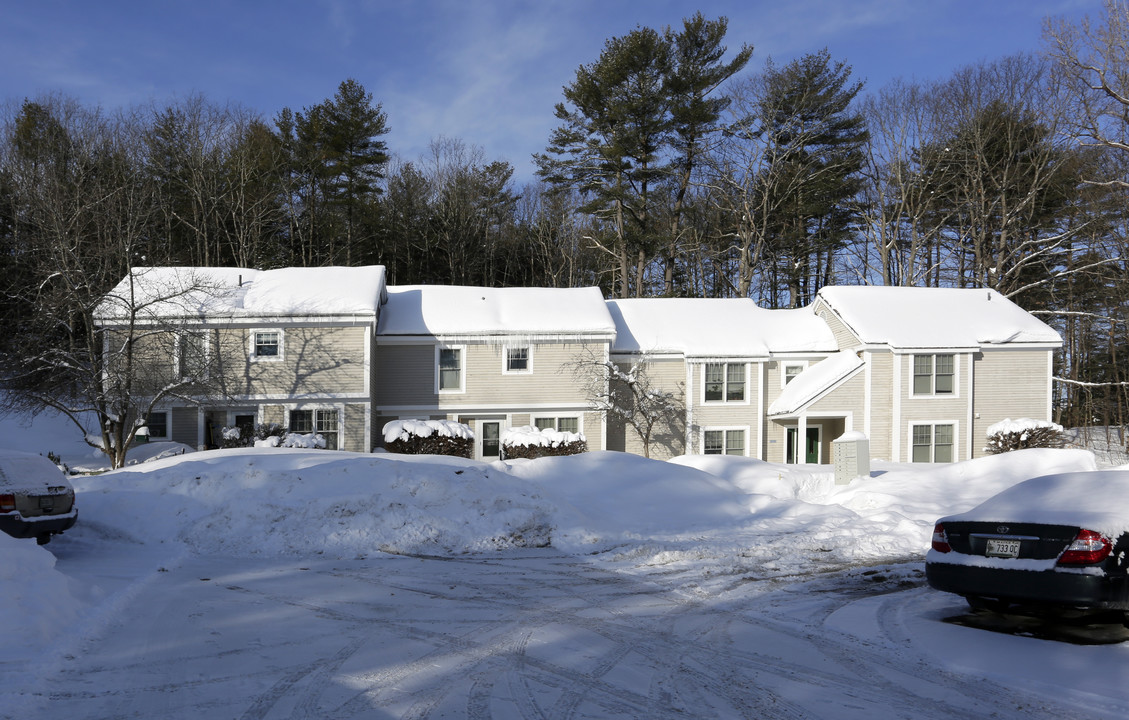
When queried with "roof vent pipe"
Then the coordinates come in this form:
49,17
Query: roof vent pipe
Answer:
240,281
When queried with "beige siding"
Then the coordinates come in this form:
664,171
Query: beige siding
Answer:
354,436
594,430
844,338
275,414
551,381
314,361
405,375
667,439
742,415
881,405
934,409
1009,384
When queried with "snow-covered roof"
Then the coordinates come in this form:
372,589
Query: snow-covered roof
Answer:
454,312
245,292
814,381
715,327
909,317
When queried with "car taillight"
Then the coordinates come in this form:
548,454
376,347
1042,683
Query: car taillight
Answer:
7,502
1088,548
940,540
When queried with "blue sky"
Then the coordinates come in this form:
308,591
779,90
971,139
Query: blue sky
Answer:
485,71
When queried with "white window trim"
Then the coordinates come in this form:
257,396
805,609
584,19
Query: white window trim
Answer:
337,408
724,429
506,360
748,385
207,338
266,358
534,417
933,395
933,445
462,369
785,364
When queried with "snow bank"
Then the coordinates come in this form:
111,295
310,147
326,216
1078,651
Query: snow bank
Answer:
36,603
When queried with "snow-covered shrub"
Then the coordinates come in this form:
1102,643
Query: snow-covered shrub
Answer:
232,437
1008,435
429,437
274,435
532,442
268,430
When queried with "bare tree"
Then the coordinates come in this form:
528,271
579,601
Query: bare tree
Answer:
629,393
1092,61
84,211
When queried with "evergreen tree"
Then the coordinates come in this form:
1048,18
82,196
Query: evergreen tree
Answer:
607,147
696,73
815,139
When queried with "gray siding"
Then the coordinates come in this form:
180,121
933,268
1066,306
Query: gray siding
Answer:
185,426
405,375
354,437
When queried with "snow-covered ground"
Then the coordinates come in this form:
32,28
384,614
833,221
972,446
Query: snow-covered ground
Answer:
268,583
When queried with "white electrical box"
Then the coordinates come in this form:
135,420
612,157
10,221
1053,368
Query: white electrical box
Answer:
850,453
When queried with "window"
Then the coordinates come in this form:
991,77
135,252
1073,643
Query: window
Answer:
450,369
932,443
934,374
322,422
561,424
790,371
518,360
723,442
266,344
725,382
158,424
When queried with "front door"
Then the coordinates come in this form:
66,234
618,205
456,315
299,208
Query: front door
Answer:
811,445
491,433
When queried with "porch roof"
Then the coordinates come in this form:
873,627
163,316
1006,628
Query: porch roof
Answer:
814,381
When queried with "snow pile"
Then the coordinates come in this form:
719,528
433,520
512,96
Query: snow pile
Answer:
404,429
295,502
701,517
531,436
36,603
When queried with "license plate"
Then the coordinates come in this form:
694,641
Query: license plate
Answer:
1002,548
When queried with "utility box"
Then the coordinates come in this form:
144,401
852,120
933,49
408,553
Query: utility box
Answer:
850,453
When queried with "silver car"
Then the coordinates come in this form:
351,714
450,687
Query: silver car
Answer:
36,499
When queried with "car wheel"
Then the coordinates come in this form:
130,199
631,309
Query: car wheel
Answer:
995,605
43,539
